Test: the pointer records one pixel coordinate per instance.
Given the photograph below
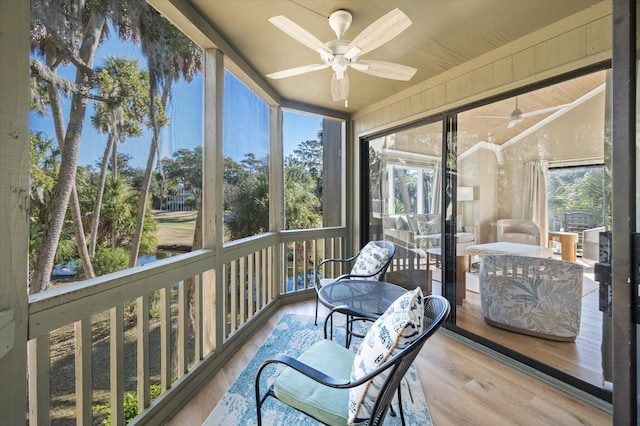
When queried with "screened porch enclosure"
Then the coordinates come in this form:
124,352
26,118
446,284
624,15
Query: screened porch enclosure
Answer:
146,337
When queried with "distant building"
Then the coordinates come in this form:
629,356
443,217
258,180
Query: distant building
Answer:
182,201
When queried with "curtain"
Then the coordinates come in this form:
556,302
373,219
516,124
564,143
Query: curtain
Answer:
534,206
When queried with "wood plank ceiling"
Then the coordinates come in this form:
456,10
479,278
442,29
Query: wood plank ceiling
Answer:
444,34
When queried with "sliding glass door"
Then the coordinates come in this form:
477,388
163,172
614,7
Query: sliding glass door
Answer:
528,169
536,164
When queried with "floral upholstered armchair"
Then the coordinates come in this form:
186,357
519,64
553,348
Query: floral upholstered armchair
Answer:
534,296
518,231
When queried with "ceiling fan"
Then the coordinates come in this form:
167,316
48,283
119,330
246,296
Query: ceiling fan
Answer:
340,54
517,115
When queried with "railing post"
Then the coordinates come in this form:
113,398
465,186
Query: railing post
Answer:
84,378
39,387
183,328
197,320
142,333
116,364
165,337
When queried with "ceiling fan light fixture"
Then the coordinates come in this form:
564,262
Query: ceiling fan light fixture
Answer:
339,65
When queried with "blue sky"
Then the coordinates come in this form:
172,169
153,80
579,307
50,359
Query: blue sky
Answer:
245,121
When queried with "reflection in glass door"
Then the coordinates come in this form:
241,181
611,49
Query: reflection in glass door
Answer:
535,164
405,186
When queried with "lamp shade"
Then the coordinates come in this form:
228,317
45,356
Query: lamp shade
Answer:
465,193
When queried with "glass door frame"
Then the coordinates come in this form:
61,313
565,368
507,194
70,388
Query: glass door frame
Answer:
624,213
449,209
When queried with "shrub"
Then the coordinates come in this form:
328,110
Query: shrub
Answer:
108,260
130,405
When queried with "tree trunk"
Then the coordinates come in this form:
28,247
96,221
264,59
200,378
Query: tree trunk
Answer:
98,207
142,204
76,213
153,150
78,231
114,173
68,163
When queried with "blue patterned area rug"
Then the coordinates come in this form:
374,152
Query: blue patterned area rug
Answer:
292,335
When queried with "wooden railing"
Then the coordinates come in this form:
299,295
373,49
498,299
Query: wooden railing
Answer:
137,334
303,252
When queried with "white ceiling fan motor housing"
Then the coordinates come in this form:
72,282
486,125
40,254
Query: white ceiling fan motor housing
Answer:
340,21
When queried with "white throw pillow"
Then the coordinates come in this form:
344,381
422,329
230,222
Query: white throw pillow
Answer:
396,328
370,260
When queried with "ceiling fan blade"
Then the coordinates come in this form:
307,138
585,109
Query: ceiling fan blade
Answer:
513,122
340,87
378,33
544,110
298,33
297,71
507,117
385,69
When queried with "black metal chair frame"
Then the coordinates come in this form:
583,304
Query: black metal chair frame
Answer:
382,271
436,312
578,221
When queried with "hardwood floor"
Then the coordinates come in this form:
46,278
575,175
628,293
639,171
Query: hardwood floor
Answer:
581,358
462,387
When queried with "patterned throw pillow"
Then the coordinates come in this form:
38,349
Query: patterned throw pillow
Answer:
429,227
398,327
370,260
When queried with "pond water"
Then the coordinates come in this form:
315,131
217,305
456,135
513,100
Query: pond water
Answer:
67,269
64,272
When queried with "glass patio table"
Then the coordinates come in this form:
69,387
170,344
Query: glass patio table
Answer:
359,300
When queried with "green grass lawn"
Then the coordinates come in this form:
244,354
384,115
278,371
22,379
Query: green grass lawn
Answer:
176,220
175,227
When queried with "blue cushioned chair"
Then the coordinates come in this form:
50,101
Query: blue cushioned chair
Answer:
320,382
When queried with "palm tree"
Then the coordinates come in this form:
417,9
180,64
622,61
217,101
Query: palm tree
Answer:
64,35
301,205
301,202
45,162
124,85
251,207
170,56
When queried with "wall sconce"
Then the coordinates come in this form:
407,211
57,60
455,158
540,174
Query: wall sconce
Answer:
465,193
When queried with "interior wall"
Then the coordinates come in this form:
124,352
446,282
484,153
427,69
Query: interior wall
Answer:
577,135
478,170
